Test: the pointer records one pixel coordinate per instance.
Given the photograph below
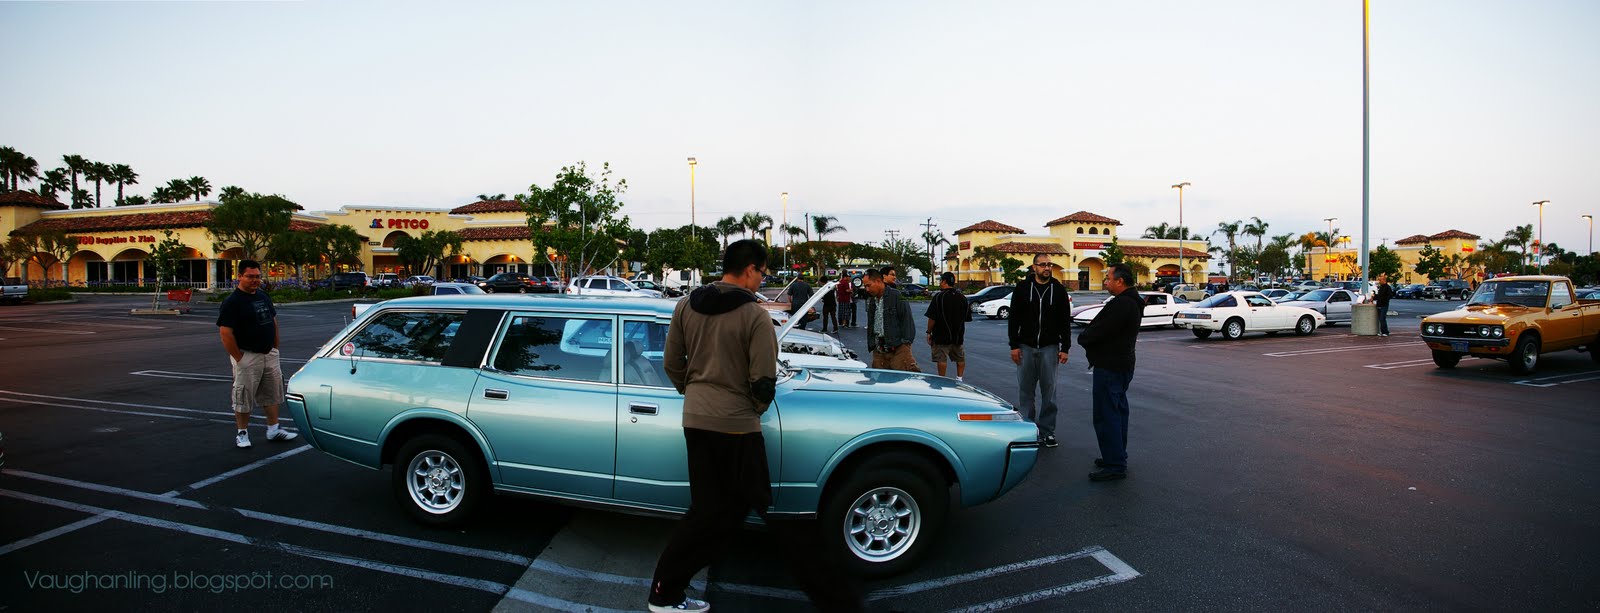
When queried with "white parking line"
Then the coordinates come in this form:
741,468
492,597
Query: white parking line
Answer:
192,376
1405,364
81,323
237,471
1551,381
79,332
45,536
8,396
1290,354
1120,572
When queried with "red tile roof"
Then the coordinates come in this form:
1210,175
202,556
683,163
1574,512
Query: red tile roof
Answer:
1031,248
1415,239
1447,234
1084,217
488,206
990,225
498,233
29,199
139,221
1163,252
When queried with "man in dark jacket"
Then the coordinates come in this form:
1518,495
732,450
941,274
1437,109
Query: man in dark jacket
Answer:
1109,345
799,293
1040,333
1381,296
948,315
890,327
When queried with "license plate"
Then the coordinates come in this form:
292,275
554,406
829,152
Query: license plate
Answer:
1458,346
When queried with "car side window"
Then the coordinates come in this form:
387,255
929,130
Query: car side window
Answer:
618,284
643,353
417,336
445,291
1258,301
1562,296
556,348
1339,297
1227,302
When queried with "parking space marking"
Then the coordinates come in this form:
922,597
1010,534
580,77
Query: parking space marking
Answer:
78,332
1120,572
192,376
1551,381
483,585
1301,352
82,323
7,396
237,471
1404,364
50,534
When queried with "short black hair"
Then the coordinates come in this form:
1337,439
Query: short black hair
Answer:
887,270
742,253
874,274
248,264
1036,257
948,277
1123,273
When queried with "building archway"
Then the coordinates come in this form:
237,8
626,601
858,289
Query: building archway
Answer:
504,262
388,241
89,267
127,267
1091,274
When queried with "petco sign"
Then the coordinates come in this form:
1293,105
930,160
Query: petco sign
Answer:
402,224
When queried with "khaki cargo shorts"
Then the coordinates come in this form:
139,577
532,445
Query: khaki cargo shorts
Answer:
257,378
946,353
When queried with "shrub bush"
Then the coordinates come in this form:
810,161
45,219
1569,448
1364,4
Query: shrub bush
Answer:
45,294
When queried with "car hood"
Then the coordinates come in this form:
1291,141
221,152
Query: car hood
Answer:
894,383
1480,314
805,308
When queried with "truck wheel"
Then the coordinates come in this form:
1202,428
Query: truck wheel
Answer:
1305,326
1201,333
1445,359
1233,329
1526,356
438,480
885,514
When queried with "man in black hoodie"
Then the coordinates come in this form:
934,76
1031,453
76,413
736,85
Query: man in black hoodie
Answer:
1109,342
1040,333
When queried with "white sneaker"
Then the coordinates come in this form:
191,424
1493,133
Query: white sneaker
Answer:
688,604
242,439
279,434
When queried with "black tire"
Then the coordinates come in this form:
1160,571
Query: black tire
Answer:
892,481
522,290
1201,333
1305,326
1233,329
1004,313
1446,359
488,289
1594,349
447,470
1525,357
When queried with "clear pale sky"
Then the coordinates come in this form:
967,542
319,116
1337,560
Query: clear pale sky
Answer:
881,113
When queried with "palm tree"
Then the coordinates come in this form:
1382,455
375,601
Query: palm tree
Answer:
199,186
134,200
726,227
1521,236
98,172
824,225
1161,230
178,189
16,167
163,194
489,198
791,232
1257,229
8,157
54,180
76,165
123,175
1230,230
755,223
987,258
934,240
230,192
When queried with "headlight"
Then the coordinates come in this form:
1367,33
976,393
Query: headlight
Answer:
1499,332
1483,331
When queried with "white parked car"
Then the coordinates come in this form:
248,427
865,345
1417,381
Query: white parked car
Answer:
412,281
608,286
1234,313
1276,293
1000,308
1159,309
1334,304
439,289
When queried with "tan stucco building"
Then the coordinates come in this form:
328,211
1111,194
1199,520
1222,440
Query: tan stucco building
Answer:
1344,262
1075,244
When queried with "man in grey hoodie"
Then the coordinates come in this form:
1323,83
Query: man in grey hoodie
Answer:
722,355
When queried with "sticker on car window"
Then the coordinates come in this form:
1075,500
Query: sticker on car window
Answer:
348,349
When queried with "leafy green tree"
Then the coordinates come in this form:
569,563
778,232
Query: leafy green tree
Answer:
1431,263
338,244
578,217
13,252
679,249
1012,270
422,255
297,249
1112,254
58,244
249,222
1275,258
1384,260
123,175
164,257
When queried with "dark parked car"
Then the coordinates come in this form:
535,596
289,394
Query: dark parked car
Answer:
513,282
993,292
1415,290
912,290
669,292
349,280
1454,289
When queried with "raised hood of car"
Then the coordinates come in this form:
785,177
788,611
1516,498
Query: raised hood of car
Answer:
879,382
800,314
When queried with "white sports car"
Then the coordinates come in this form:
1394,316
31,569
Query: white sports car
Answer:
1001,308
1159,309
1234,313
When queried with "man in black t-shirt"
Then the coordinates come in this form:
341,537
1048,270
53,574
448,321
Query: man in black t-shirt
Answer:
948,315
249,327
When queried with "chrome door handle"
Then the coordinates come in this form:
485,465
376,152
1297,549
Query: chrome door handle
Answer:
494,394
640,408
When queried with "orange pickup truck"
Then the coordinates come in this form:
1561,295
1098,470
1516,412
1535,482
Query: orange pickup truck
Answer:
1515,319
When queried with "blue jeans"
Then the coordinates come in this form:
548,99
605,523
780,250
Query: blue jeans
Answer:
1038,369
1383,319
1111,417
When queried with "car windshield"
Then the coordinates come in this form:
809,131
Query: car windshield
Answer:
1217,300
469,288
1514,293
1320,295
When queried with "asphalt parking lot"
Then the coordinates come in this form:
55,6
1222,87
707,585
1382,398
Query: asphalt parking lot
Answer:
1268,473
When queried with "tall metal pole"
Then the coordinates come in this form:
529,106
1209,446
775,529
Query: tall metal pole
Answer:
1183,273
1366,140
692,164
1591,232
1327,248
1538,254
785,232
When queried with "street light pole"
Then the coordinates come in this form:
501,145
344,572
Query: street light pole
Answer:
1538,255
1591,232
785,232
1183,273
692,164
1327,247
1366,141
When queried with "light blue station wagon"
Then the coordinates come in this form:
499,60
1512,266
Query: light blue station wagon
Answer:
565,398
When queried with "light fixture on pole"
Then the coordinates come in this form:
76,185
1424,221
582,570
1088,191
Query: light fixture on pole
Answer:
785,232
1591,232
1327,244
692,164
1182,273
1538,254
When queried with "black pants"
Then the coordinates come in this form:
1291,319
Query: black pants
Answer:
728,478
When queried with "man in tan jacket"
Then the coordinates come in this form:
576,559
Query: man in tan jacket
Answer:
722,355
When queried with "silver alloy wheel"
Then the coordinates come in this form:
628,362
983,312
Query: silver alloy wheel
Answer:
882,524
1004,312
1235,329
1529,357
1306,325
437,483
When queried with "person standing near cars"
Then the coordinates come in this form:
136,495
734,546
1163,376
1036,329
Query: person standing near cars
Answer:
889,326
830,310
799,293
722,356
847,300
1039,330
1109,344
1381,297
248,324
948,315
